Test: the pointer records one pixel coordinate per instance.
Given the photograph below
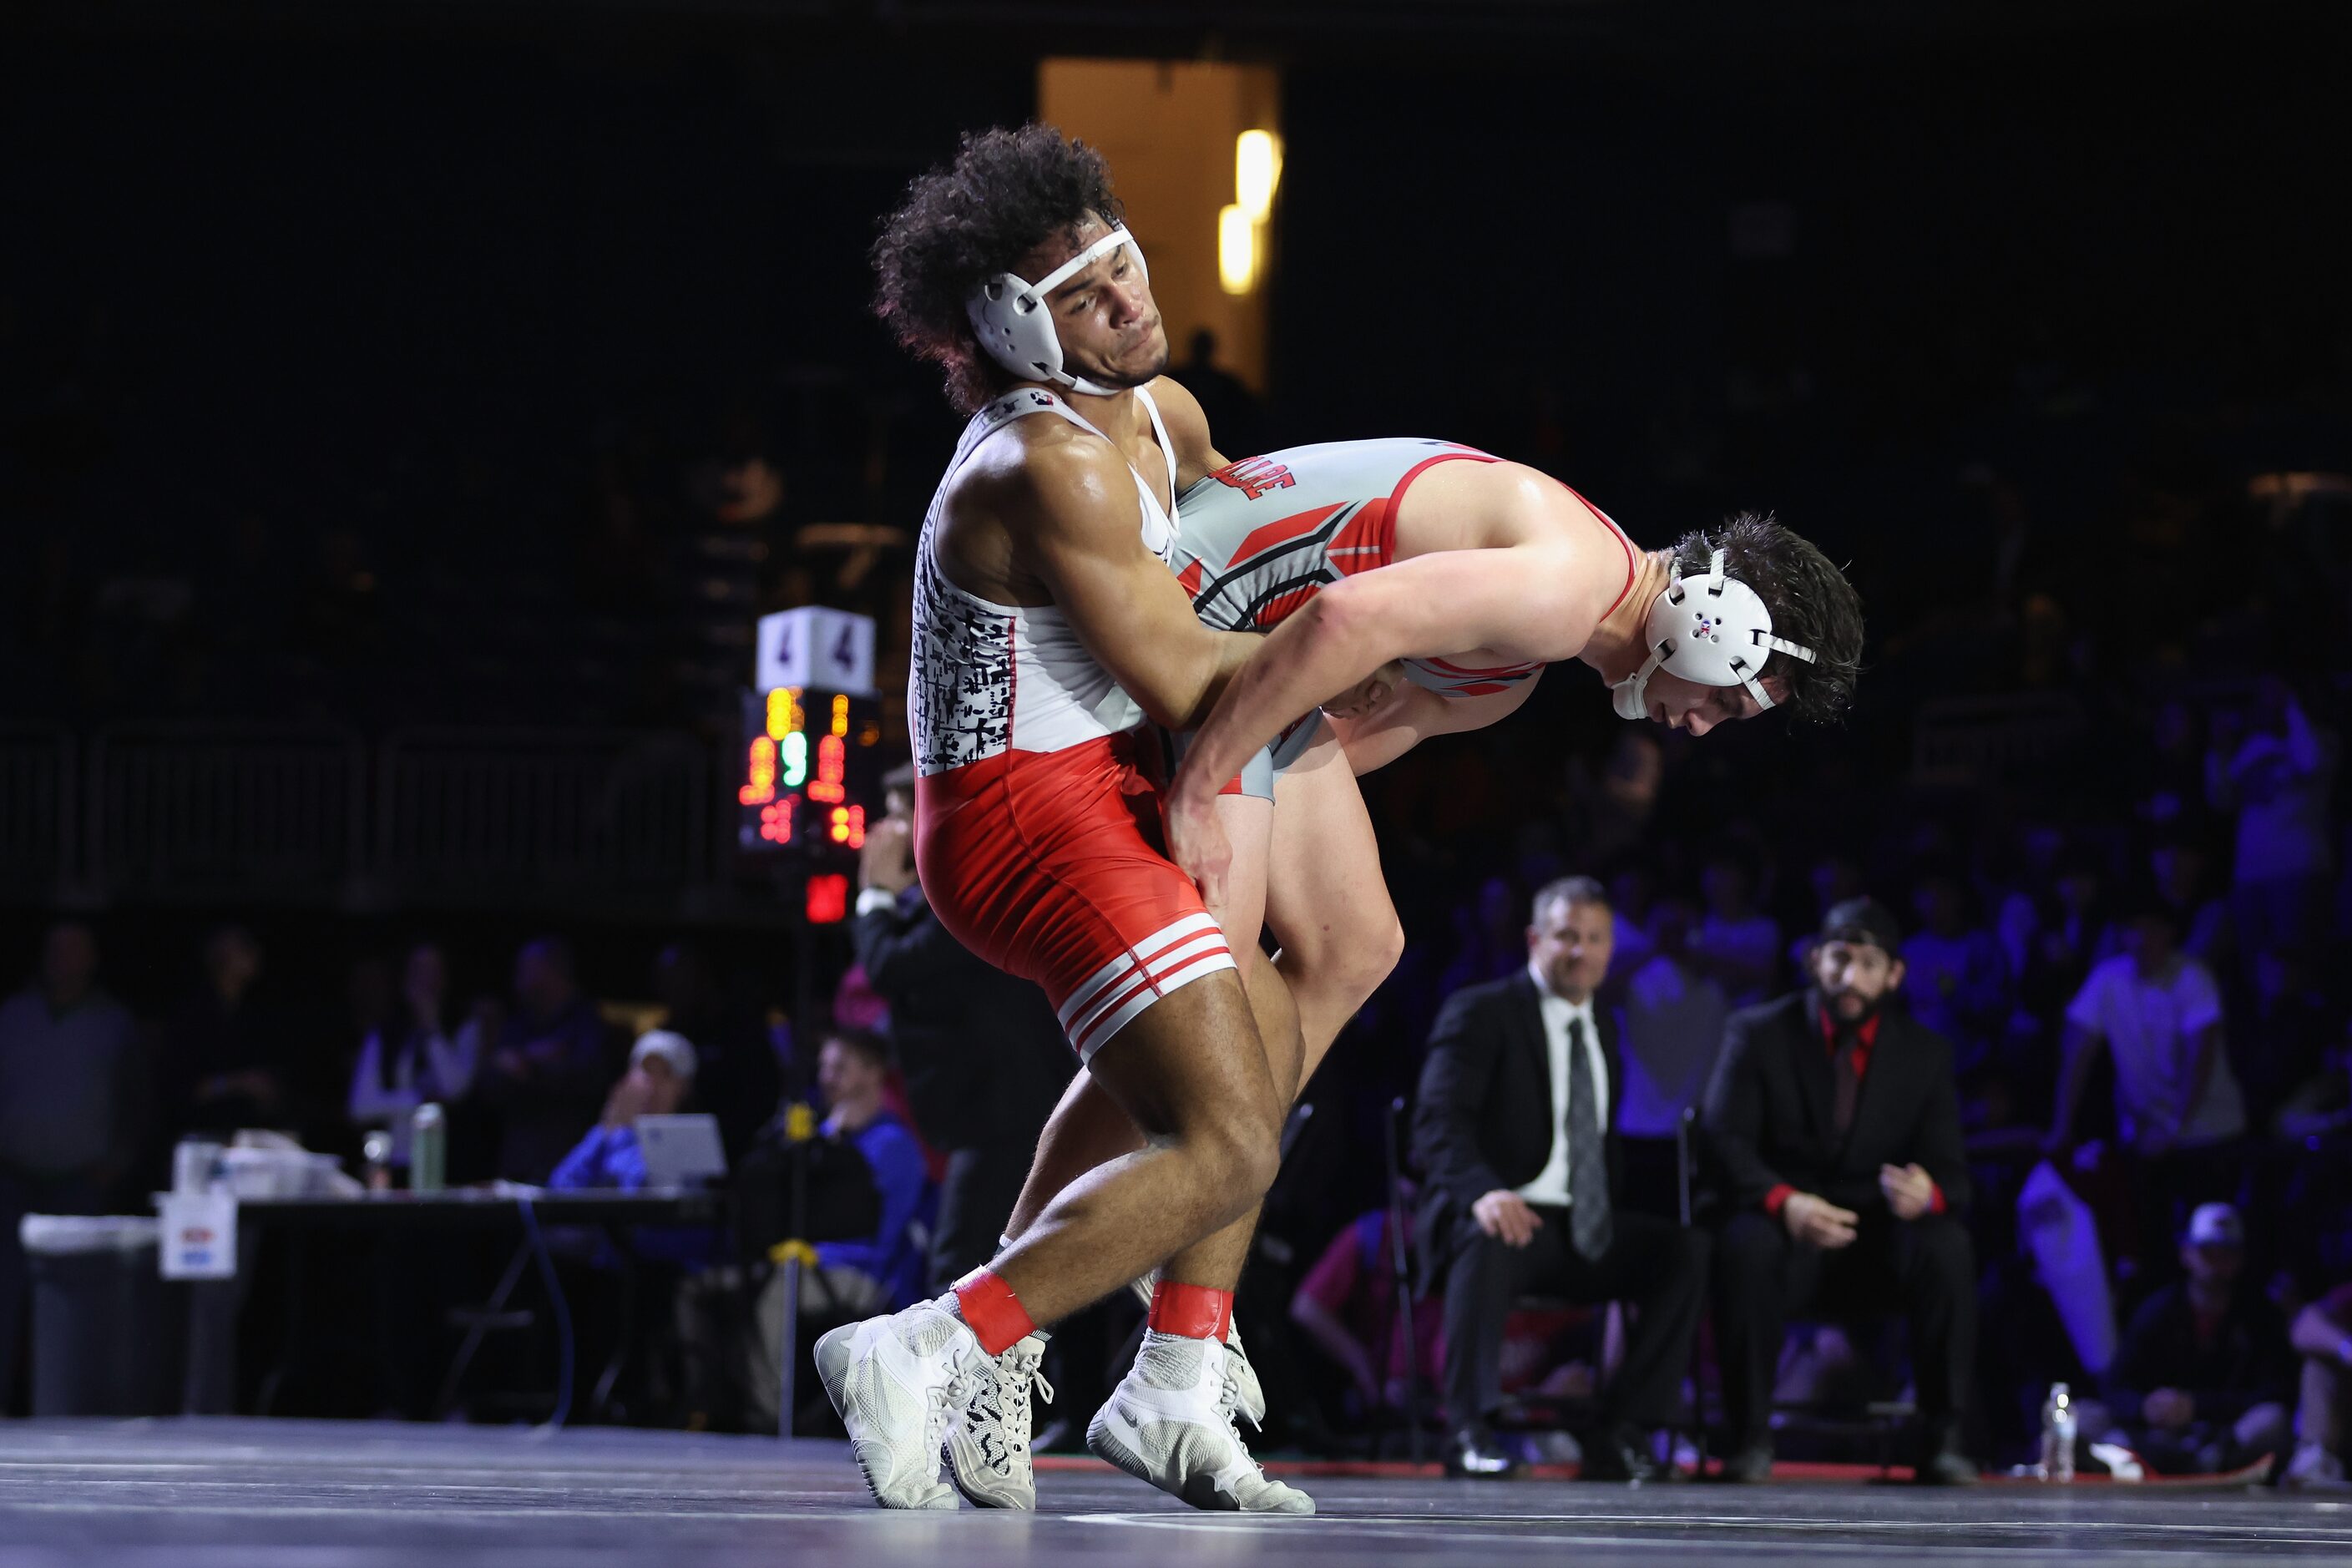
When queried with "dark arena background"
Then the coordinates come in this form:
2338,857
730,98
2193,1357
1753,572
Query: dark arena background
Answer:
458,517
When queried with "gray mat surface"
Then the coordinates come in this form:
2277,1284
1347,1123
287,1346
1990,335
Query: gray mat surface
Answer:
287,1492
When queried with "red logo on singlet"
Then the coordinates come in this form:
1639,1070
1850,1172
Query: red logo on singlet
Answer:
1255,476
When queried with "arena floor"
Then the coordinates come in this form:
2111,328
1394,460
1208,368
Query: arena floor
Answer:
263,1493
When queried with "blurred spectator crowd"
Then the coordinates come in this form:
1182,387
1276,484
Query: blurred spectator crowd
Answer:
2147,1022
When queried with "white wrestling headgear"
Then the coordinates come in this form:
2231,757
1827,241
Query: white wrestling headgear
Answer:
1712,631
1014,325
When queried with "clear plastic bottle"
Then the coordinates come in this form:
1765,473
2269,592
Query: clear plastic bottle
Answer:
2058,1434
375,1156
428,1150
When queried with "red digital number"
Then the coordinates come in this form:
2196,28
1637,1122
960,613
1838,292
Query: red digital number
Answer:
831,766
828,899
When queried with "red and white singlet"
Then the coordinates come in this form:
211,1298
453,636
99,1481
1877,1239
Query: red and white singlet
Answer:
1038,831
1260,537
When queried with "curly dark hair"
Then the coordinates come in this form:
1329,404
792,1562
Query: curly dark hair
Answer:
1007,192
1811,604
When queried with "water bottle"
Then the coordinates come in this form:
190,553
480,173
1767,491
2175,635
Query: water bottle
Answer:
2058,1434
428,1150
375,1156
195,1162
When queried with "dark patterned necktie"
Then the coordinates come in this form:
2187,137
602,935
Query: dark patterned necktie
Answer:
1590,1226
1849,1079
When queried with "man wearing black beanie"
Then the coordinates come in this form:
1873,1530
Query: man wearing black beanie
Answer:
1833,1127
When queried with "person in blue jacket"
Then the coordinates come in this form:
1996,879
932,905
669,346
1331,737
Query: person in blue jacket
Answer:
659,1082
660,1077
885,1271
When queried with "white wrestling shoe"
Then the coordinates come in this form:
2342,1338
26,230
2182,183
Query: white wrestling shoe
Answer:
2313,1469
987,1449
896,1379
1170,1422
1249,1395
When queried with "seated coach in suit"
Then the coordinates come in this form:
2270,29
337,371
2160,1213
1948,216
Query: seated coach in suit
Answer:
1834,1125
1514,1128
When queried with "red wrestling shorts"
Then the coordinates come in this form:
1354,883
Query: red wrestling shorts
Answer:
1051,865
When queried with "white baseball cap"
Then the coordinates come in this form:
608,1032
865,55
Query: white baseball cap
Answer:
672,1047
2216,1225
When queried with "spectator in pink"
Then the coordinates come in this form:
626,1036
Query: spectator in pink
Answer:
1349,1307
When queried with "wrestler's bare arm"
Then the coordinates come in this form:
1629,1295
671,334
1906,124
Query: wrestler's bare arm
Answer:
1414,714
1080,538
1521,603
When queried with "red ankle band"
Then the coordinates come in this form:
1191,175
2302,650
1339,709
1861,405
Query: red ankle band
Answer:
1191,1311
1225,1317
992,1311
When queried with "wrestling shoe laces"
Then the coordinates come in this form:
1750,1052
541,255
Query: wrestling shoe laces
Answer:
987,1447
1244,1396
1233,1395
948,1397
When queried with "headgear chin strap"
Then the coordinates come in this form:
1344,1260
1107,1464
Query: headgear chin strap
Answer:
1714,631
1014,325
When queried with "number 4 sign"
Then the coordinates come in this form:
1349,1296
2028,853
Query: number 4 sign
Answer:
816,648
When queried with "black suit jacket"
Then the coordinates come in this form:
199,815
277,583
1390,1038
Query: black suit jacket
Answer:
1771,1110
982,1055
1484,1118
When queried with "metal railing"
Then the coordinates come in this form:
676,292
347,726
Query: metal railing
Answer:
316,814
1986,740
270,812
37,812
491,815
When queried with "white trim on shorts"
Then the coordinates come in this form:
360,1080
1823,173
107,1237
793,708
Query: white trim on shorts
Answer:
1168,959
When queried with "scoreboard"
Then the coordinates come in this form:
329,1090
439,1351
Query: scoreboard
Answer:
808,769
810,758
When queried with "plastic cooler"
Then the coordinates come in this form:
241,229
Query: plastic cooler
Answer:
99,1344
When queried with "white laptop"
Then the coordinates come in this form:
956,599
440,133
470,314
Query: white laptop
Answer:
681,1151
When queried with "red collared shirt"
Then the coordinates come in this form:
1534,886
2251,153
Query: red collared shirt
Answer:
1865,1042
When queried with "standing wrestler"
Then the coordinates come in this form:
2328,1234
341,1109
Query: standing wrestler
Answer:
1047,630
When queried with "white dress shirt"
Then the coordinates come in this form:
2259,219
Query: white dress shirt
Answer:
1550,1185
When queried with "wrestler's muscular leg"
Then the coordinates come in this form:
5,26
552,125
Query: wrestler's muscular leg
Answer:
1191,1072
1321,889
1327,902
1088,1127
1329,906
1216,1260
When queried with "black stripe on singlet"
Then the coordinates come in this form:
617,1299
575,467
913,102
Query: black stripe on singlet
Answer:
1235,571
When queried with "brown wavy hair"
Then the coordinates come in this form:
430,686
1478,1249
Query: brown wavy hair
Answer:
1811,604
